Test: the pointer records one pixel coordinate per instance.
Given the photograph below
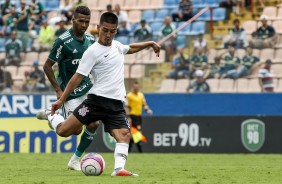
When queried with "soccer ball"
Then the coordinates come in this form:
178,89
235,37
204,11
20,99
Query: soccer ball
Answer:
92,164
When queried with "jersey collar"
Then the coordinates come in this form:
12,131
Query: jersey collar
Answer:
77,39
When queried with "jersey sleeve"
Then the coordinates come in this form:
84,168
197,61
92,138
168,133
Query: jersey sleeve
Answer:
261,73
87,62
125,48
57,52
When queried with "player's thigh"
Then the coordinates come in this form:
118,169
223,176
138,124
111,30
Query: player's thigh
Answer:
121,135
70,105
118,126
69,127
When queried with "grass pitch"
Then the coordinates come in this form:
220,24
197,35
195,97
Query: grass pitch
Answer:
152,168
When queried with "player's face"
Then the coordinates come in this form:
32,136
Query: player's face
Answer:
81,23
107,31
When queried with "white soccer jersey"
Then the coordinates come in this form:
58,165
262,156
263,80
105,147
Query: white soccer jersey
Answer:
106,64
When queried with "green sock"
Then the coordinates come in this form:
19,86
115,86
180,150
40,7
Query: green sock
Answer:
85,141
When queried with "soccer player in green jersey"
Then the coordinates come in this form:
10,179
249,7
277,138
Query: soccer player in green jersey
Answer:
67,52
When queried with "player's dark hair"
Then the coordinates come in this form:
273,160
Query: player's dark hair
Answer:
109,17
82,10
236,20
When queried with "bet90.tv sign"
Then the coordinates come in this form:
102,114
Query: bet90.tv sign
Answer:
185,134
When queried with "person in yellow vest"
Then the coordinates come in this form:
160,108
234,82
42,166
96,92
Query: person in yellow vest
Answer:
135,103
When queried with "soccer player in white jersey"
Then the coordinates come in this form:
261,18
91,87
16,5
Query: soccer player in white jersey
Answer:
67,51
105,100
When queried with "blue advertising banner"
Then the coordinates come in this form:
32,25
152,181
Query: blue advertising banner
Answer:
24,105
165,104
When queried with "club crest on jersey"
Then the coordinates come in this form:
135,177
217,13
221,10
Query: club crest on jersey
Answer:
82,111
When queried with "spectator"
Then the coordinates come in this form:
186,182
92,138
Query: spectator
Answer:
180,65
266,77
237,36
5,10
6,6
231,65
122,17
78,3
230,6
199,61
184,11
38,79
6,81
46,37
110,8
22,24
199,85
201,43
61,29
213,69
264,36
37,11
249,63
168,45
123,29
13,50
66,10
136,102
143,32
9,23
27,82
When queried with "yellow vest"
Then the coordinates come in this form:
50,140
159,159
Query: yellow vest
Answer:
135,102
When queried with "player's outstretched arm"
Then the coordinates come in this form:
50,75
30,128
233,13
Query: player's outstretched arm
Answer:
73,83
136,47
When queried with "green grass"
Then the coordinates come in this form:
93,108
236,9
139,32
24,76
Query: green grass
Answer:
152,168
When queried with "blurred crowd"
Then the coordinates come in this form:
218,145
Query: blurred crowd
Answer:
29,28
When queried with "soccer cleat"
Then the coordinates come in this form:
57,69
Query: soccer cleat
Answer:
74,165
123,172
43,115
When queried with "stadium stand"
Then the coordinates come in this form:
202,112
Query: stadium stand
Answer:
167,86
270,11
181,85
226,86
148,68
148,15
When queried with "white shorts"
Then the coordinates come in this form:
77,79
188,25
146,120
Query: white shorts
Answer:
69,106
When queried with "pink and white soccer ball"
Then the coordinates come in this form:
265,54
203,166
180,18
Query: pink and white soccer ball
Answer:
92,164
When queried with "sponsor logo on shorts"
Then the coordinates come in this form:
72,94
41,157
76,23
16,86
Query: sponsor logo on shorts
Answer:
82,111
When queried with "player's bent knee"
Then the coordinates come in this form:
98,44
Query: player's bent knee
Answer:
66,133
61,132
122,135
78,131
93,125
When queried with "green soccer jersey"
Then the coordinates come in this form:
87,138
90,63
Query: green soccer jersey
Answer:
67,51
249,61
198,60
230,62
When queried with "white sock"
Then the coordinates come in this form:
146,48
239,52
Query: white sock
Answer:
55,120
121,153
